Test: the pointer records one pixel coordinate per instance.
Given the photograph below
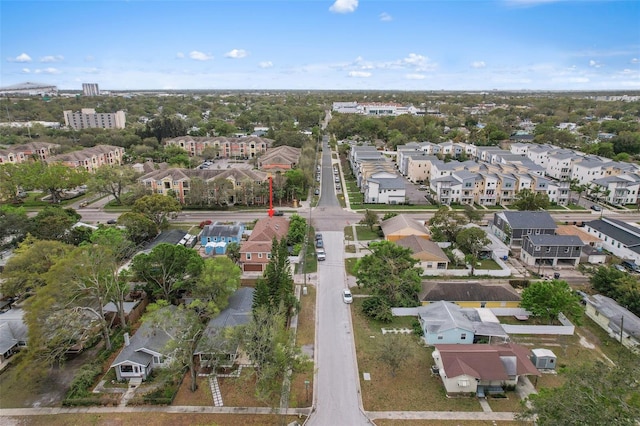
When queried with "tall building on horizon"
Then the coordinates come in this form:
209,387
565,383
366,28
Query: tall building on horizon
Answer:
90,89
88,118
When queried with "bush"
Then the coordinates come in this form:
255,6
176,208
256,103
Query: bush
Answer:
417,328
377,308
83,381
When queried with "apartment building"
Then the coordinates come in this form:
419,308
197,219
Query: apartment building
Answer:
376,108
227,147
90,158
617,190
90,89
178,182
17,154
88,118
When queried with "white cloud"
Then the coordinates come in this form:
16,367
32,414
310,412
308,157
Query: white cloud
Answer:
594,64
89,58
52,58
344,6
47,71
385,17
635,60
236,54
200,56
265,64
415,76
26,70
23,57
478,64
359,74
180,55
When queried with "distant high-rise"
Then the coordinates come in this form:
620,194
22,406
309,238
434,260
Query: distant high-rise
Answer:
90,89
88,118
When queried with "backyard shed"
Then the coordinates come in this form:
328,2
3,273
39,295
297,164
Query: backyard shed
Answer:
543,359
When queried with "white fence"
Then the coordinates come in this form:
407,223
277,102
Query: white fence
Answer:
505,271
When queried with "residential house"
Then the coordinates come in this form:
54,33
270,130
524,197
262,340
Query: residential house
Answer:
215,237
279,159
617,321
142,352
430,255
470,294
418,167
385,190
474,369
401,226
255,253
618,190
618,237
511,226
559,164
592,250
587,169
13,332
551,250
214,343
444,323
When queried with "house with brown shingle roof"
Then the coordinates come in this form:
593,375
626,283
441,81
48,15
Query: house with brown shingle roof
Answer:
279,159
430,255
255,253
401,226
469,369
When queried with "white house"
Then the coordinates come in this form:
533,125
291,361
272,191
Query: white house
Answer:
618,237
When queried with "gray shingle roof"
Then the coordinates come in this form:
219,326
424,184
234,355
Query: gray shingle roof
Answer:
220,230
467,292
529,220
555,240
442,316
147,337
614,312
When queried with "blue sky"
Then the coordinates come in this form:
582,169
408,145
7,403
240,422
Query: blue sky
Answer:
322,44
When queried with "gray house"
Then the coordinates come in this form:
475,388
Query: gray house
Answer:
512,227
443,322
142,352
551,250
214,344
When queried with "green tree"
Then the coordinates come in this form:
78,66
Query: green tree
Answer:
25,270
594,394
158,208
527,200
112,180
546,299
233,252
297,229
472,214
167,269
445,224
394,351
14,225
275,289
370,219
54,178
139,228
219,279
401,282
53,223
271,347
12,180
185,330
472,240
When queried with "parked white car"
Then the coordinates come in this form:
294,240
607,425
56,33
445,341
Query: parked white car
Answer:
347,297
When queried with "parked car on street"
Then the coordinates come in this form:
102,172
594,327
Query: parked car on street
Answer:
322,255
596,207
278,213
347,297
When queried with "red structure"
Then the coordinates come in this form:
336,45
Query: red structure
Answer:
270,196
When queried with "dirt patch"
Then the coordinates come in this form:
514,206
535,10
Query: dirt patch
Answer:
584,342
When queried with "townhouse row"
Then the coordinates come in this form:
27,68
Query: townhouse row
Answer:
89,158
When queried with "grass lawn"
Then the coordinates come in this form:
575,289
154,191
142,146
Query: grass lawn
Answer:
350,264
155,419
201,397
364,233
306,318
350,248
348,233
509,404
575,207
241,391
495,207
488,264
419,392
